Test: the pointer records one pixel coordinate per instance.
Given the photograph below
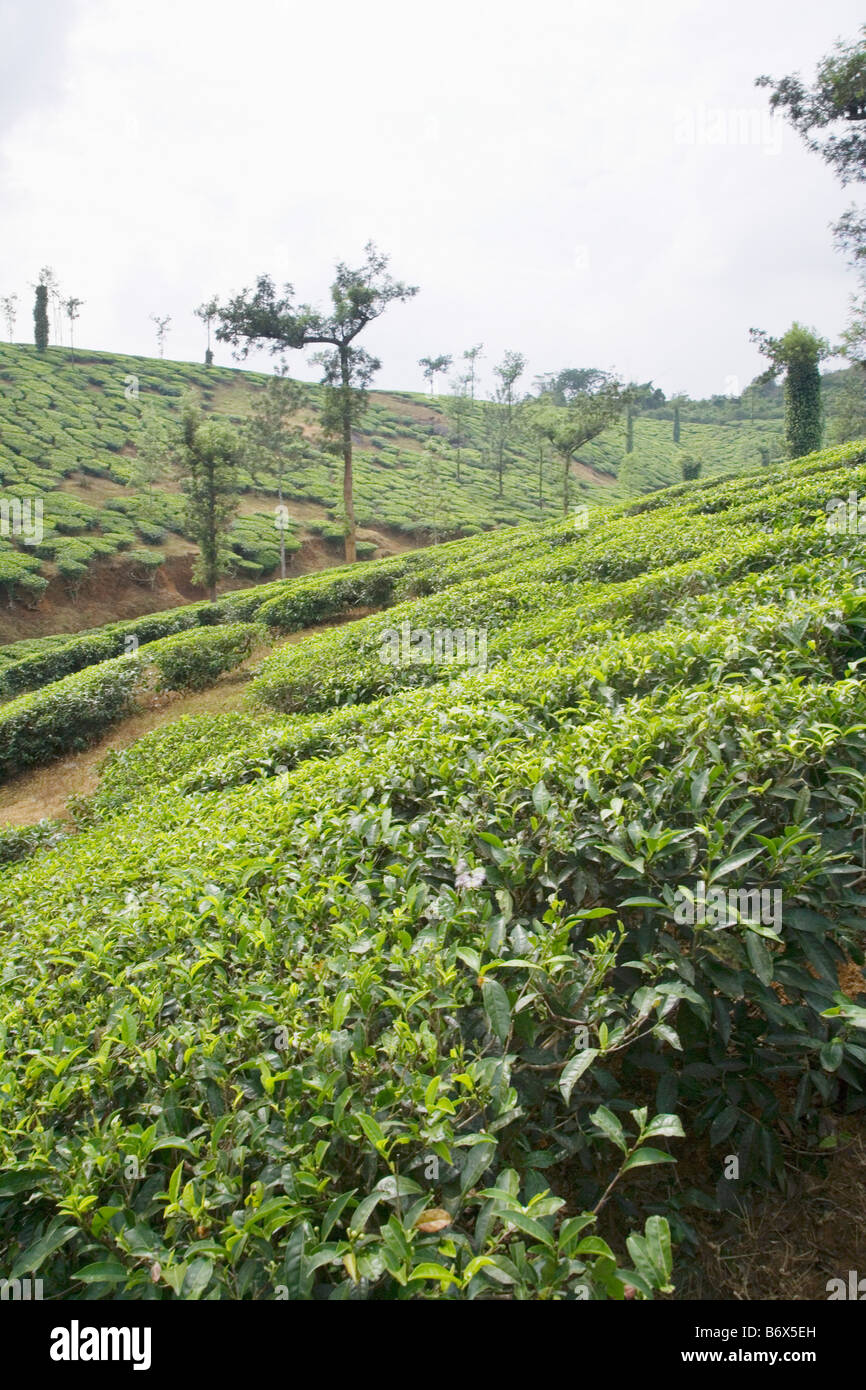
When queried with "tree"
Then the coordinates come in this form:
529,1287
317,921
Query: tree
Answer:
853,344
9,310
535,425
629,430
433,366
162,327
835,107
473,355
207,312
830,117
260,318
690,467
849,420
207,457
585,415
677,423
72,307
273,437
458,409
156,448
797,354
40,315
499,414
48,279
429,493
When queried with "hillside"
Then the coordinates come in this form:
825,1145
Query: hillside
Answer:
70,431
460,962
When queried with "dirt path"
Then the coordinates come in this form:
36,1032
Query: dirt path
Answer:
44,791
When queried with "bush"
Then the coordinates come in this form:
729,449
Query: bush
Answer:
67,715
20,841
194,660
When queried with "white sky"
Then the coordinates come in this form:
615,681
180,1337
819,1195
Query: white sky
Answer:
568,179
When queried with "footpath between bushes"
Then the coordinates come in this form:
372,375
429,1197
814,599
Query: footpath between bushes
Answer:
42,792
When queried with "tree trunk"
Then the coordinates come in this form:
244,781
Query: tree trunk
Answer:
282,527
565,467
348,498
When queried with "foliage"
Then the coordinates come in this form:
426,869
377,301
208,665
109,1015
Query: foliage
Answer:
393,999
194,660
798,354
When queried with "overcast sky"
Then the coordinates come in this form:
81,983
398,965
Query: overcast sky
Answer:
591,184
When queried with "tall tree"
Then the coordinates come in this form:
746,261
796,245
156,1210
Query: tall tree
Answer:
433,367
9,310
586,413
260,318
207,457
162,326
798,354
40,314
273,438
458,409
207,312
830,117
72,309
157,447
500,412
473,355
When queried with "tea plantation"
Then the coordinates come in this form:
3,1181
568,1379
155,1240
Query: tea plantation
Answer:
406,983
71,431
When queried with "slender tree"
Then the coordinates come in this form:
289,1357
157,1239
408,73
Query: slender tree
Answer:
9,310
162,327
157,448
629,430
208,455
40,315
500,413
260,318
676,423
473,355
798,354
207,312
273,438
458,410
586,414
72,309
433,367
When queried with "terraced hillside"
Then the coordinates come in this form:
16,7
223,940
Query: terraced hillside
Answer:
425,977
71,430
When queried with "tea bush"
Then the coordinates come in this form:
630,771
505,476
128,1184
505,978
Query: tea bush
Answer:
394,997
194,660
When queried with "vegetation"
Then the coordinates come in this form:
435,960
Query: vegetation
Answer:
798,354
401,987
255,319
77,437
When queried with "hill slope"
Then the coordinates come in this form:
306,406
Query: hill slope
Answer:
411,991
70,431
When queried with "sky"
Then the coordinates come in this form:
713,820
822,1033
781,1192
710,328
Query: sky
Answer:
589,185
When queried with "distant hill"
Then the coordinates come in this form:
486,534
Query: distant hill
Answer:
69,432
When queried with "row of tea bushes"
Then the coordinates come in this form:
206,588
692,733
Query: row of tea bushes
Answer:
70,714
